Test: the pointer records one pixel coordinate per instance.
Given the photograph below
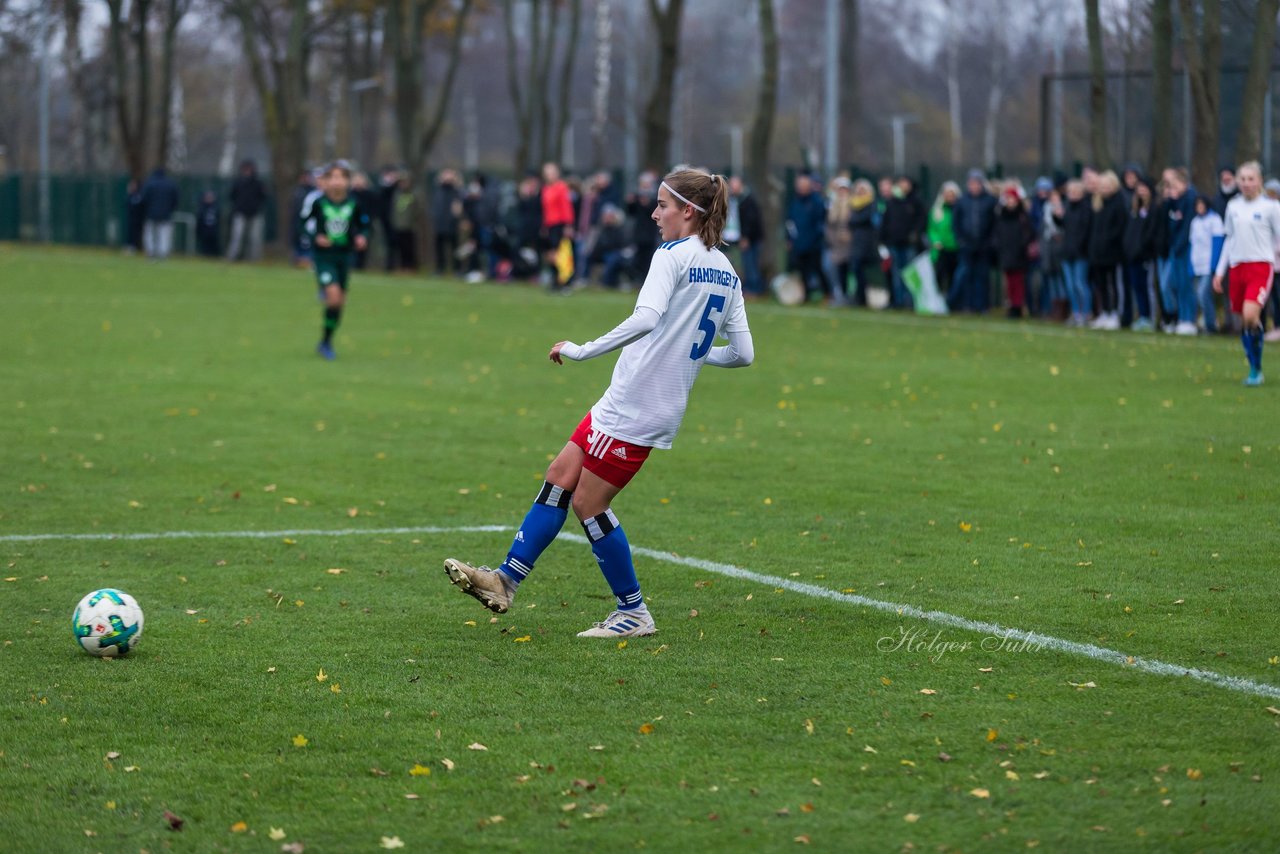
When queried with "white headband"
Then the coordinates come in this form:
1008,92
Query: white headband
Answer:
672,191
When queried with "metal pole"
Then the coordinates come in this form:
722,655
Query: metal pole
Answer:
735,149
832,87
1186,118
1266,128
900,121
45,229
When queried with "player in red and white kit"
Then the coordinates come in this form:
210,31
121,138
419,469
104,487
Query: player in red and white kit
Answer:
691,296
1253,239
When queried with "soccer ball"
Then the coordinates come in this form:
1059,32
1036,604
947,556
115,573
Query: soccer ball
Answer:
107,623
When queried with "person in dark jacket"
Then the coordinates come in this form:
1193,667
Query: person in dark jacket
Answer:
744,228
1076,221
159,203
446,216
1013,236
806,228
248,199
610,246
527,224
1176,268
973,222
1227,190
1106,249
208,224
862,221
133,216
644,236
901,230
1139,238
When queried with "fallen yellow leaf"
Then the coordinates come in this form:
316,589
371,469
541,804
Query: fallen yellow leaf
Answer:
335,688
646,728
276,833
475,745
927,691
391,842
911,818
993,734
239,827
1195,774
419,771
980,793
300,740
322,676
524,639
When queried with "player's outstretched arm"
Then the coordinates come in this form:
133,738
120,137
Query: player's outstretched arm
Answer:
739,352
635,327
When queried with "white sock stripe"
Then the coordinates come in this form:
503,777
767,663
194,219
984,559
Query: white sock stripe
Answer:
1110,656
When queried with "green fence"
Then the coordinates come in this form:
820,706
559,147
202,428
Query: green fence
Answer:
90,210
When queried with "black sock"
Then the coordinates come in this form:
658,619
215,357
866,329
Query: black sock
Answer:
332,314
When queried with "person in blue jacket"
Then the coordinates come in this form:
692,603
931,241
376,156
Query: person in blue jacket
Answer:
973,222
806,230
1181,209
159,203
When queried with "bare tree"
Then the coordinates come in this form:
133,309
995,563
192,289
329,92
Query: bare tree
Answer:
277,40
1202,48
955,12
600,91
758,174
1161,84
657,111
530,86
78,74
174,12
850,79
1099,150
127,33
566,80
1249,138
416,133
997,53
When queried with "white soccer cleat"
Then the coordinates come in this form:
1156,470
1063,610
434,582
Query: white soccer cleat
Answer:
487,585
622,624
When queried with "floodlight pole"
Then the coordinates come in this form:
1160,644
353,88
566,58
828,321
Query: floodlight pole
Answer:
358,88
900,122
45,230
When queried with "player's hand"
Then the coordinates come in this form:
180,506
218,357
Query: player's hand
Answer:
323,242
1217,284
555,352
744,244
362,243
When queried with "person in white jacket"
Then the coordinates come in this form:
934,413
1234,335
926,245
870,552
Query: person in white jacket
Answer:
1206,226
1253,235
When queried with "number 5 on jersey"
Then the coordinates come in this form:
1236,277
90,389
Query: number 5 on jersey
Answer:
707,327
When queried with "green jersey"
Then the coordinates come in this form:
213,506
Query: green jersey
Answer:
340,221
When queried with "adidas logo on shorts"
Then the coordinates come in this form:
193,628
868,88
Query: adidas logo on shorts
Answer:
620,452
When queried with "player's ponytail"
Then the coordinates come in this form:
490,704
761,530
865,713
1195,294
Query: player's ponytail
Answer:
709,194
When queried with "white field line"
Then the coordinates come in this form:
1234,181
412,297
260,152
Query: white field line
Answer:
1098,653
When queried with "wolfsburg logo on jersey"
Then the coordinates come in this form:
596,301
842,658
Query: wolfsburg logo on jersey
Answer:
337,227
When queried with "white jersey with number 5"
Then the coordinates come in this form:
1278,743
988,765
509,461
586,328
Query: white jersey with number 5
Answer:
698,296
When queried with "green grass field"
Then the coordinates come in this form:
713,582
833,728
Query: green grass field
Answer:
1103,488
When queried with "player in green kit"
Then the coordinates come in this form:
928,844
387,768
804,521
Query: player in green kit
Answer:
337,226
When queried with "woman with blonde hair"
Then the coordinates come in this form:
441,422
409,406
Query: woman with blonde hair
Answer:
839,237
941,235
1106,249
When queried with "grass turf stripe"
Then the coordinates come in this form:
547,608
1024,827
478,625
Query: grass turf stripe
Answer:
1098,653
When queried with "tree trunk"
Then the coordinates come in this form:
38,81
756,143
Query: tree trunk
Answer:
566,79
1097,88
953,84
603,69
1161,85
995,95
546,149
758,174
657,112
1202,47
521,105
278,66
1249,137
848,146
133,112
174,12
82,106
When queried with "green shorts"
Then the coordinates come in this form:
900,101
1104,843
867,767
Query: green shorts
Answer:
331,270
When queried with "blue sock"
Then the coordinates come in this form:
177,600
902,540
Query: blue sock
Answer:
613,553
1252,340
541,525
1257,347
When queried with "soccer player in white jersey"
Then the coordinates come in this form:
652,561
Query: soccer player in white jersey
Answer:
691,296
1253,238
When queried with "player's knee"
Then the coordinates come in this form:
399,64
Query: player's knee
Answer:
586,506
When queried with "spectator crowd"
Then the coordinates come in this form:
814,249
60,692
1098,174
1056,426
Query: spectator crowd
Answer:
1100,250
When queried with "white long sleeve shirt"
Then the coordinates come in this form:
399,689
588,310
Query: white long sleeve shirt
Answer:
1253,232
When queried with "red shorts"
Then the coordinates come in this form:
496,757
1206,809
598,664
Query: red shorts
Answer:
611,459
1249,282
